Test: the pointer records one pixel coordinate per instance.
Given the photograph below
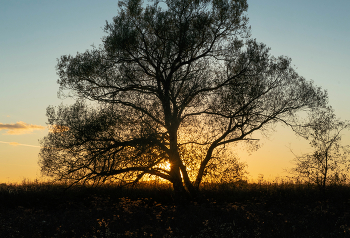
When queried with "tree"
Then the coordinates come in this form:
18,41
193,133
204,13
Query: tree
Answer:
328,163
172,83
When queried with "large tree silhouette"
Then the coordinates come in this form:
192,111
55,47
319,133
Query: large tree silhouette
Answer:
173,82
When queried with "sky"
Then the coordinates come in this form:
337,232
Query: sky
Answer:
33,34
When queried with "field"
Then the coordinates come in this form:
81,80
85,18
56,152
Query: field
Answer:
149,210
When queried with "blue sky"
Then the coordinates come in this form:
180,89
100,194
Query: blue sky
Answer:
33,34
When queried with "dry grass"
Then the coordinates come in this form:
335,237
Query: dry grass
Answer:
149,210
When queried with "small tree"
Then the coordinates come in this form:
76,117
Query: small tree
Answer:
328,163
171,84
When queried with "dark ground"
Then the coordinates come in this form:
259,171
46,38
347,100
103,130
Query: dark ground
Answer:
246,210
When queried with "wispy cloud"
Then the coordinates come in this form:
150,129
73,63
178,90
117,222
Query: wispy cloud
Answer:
18,144
20,128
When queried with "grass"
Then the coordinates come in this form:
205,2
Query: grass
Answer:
149,210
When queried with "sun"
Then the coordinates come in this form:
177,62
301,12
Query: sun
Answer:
167,165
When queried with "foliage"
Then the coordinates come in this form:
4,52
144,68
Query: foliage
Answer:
172,83
147,210
329,162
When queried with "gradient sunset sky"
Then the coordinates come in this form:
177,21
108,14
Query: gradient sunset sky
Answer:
33,34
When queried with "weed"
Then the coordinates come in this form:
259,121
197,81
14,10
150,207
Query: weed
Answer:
284,209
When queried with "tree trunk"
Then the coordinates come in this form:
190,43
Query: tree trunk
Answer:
203,165
182,185
192,190
325,173
180,193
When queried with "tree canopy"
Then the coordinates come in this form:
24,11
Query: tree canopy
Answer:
328,163
173,82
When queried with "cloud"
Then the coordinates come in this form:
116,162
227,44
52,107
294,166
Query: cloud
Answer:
20,128
16,144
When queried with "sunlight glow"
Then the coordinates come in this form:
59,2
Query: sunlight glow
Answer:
166,166
163,166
